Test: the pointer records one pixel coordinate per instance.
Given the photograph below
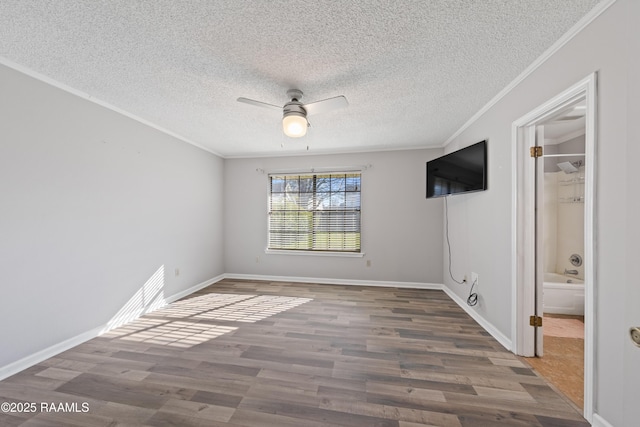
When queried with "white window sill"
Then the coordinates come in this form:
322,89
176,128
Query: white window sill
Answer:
314,253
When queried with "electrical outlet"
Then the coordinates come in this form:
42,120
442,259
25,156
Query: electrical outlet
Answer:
474,278
177,272
635,335
257,259
368,263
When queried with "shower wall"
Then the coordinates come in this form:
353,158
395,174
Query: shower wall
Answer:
550,231
563,209
564,220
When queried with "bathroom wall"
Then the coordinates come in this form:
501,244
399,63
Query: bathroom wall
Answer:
563,208
563,221
550,223
573,145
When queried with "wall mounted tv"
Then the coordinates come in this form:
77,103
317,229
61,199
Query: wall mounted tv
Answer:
461,171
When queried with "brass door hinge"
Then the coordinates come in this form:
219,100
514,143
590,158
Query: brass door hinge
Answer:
536,151
535,321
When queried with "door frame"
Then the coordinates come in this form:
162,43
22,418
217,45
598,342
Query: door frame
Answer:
523,226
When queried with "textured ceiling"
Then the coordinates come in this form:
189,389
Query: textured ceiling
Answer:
413,71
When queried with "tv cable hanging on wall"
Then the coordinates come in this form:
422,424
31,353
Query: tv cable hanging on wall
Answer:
472,299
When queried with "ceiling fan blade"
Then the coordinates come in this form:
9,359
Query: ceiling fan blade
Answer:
326,105
260,104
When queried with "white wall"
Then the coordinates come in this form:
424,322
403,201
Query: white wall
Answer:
563,221
486,230
403,250
550,230
631,225
563,216
92,205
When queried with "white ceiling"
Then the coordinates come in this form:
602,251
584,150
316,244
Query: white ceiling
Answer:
413,71
568,124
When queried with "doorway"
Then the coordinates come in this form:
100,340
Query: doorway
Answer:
560,184
554,230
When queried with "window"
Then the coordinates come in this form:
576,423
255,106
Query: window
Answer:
315,212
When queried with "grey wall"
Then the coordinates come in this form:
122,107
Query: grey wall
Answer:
572,146
93,204
630,210
407,249
483,223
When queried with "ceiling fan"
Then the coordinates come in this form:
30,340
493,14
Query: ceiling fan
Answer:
294,112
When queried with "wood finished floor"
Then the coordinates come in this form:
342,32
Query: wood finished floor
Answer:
246,353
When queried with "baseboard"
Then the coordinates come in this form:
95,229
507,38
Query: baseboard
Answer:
598,421
195,288
44,354
486,325
328,281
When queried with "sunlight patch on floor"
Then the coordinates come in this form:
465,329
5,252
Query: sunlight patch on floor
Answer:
231,307
253,309
191,321
172,333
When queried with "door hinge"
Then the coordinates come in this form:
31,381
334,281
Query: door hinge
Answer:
536,151
535,321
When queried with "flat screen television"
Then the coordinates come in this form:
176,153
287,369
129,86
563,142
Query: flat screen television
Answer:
461,171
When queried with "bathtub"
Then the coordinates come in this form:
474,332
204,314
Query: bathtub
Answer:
563,294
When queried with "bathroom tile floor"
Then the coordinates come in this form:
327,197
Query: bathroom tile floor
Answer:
563,362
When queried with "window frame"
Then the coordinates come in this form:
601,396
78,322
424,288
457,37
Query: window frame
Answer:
312,251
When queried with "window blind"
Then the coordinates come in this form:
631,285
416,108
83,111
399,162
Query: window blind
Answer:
315,212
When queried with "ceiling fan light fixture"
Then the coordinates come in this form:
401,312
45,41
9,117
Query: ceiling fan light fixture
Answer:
294,112
294,124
